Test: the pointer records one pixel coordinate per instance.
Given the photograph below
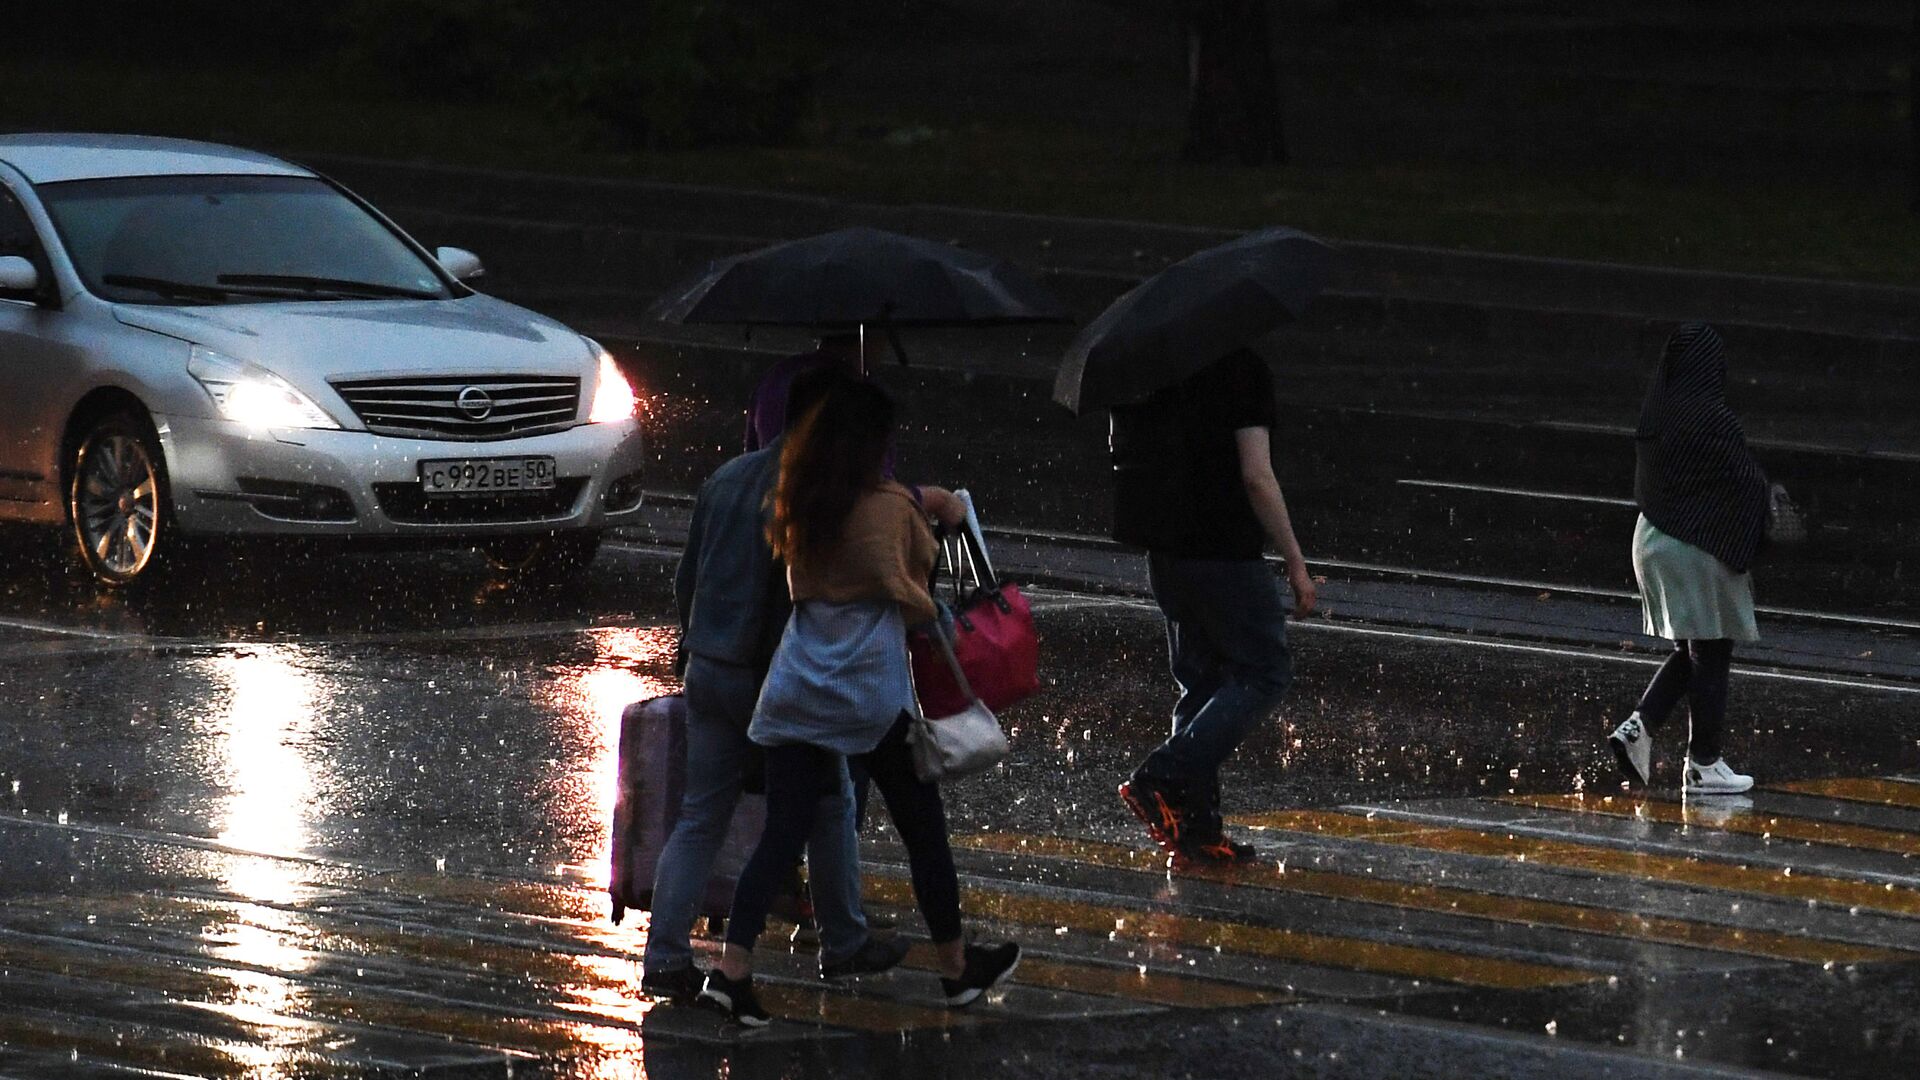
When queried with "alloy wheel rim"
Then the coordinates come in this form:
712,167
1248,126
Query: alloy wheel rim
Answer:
117,504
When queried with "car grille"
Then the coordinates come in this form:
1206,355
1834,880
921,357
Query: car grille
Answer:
407,504
481,407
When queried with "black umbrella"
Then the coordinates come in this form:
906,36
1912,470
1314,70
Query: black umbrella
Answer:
1191,314
857,277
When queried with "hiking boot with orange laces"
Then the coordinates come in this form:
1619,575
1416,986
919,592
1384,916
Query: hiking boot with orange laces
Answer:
1157,804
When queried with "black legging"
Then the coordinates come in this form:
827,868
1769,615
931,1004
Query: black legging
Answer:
1697,669
799,775
921,820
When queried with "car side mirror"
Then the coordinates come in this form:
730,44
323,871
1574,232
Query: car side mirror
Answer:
18,278
464,265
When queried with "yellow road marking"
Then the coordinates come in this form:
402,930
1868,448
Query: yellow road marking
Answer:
836,1009
594,985
1729,819
1130,984
141,973
1733,877
527,1034
1294,946
563,902
1873,792
170,1051
1450,900
192,986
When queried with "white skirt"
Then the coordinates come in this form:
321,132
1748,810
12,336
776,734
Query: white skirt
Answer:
1687,594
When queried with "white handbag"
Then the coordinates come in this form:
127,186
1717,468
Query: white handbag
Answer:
967,742
1786,525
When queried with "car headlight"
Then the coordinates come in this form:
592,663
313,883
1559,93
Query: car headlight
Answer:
613,397
250,394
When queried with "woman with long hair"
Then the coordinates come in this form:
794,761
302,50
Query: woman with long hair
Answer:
1703,509
859,553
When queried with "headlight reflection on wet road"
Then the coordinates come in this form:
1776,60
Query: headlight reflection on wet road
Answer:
589,698
269,717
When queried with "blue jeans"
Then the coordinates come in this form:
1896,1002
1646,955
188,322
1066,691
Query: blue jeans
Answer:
720,699
1227,646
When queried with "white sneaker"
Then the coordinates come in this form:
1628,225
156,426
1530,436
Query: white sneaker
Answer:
1715,778
1633,749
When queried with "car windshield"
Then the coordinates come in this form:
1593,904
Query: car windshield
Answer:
231,240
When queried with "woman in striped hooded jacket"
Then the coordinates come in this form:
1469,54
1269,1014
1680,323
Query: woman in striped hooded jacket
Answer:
1703,509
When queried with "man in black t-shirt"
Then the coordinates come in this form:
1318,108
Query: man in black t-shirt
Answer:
1194,485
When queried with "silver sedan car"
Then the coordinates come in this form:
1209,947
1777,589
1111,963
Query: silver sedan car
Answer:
197,340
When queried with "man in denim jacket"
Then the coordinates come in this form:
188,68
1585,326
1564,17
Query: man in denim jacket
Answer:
732,598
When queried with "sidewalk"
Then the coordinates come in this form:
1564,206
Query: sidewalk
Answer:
1401,328
1360,596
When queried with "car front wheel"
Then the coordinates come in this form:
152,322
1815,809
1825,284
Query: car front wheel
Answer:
117,499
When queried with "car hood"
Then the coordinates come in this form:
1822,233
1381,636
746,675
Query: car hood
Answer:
309,343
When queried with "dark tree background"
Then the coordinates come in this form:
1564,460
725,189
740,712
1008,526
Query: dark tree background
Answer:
1233,89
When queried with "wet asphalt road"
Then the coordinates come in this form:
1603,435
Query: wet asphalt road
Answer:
347,815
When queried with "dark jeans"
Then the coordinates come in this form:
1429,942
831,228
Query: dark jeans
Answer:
1227,646
1698,670
800,778
920,817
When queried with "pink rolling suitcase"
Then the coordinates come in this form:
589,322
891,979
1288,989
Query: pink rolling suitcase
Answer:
653,776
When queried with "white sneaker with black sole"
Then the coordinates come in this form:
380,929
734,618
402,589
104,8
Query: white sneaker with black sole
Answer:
987,966
1715,778
1633,748
736,998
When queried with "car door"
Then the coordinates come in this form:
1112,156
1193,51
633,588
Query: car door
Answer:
40,369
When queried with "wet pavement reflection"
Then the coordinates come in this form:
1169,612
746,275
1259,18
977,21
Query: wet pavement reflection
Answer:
361,827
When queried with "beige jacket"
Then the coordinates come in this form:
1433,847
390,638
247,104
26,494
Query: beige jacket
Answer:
886,552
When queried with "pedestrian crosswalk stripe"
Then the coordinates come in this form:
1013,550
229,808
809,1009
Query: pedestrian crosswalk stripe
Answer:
1353,954
1449,900
1132,984
159,1048
1620,862
470,1025
579,982
1876,792
471,1022
199,983
564,903
836,1008
1094,980
1729,819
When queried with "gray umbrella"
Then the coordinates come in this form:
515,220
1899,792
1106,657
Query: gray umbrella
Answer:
1190,314
858,277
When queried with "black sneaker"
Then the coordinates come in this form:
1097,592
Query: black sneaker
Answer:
736,999
678,985
874,955
987,967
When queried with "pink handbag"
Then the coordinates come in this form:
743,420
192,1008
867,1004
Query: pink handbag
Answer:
993,634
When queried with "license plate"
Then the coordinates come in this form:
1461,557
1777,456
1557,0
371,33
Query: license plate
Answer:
486,476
